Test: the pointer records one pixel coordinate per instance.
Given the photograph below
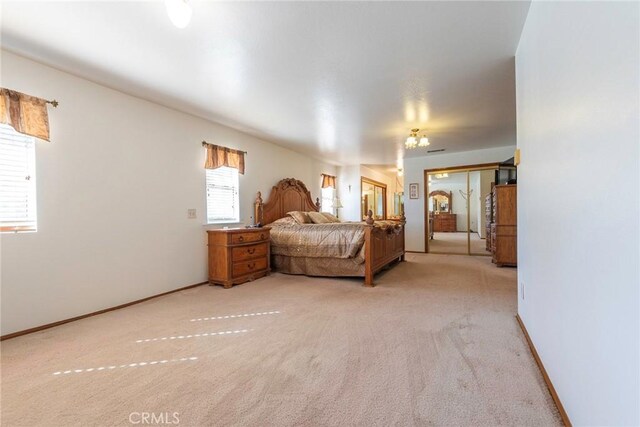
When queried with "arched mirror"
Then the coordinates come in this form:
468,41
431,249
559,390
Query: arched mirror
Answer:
440,201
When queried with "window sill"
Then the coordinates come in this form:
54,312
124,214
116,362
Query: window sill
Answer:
14,230
222,224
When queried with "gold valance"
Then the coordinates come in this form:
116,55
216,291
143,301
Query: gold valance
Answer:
328,181
26,114
218,156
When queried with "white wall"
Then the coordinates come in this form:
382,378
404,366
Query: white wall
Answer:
414,172
348,182
577,101
113,188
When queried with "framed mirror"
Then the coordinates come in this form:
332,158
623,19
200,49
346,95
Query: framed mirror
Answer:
398,205
440,201
374,198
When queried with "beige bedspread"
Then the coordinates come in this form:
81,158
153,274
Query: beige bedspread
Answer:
335,240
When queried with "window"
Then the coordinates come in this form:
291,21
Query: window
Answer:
222,195
328,194
17,181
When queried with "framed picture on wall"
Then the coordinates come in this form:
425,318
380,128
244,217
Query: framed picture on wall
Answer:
413,190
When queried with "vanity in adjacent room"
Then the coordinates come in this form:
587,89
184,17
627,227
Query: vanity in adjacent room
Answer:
441,218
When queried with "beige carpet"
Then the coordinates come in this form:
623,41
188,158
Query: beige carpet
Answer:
456,243
435,343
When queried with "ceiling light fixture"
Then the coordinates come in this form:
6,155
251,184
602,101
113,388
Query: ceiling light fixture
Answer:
179,12
413,141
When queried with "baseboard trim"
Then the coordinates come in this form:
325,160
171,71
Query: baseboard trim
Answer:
545,376
95,313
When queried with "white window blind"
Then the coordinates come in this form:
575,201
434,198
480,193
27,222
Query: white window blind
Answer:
222,195
17,181
328,195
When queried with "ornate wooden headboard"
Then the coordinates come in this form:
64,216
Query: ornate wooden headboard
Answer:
287,195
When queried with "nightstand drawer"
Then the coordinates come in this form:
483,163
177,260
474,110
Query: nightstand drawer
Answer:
240,253
250,266
239,238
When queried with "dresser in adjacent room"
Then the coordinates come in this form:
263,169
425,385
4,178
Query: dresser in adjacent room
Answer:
504,228
488,213
238,255
444,222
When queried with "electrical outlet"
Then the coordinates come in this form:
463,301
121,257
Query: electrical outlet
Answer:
191,214
522,290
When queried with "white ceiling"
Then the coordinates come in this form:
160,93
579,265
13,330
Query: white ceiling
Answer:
340,81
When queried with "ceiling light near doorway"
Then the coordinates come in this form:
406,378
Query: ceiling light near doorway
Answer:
179,12
413,141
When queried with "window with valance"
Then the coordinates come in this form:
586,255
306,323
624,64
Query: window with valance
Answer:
222,166
23,119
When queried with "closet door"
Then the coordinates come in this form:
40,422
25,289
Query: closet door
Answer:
480,184
448,214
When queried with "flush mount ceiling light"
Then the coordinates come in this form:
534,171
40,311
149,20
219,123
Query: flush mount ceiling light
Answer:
179,12
413,141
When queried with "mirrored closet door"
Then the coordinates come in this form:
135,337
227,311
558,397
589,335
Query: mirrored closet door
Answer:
456,216
374,198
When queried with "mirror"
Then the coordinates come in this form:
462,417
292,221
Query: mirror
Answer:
440,201
447,212
481,183
458,220
374,198
398,205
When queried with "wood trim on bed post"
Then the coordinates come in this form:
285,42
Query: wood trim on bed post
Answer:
368,256
368,250
369,220
403,221
257,210
382,247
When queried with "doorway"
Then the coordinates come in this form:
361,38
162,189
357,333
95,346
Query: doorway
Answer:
457,209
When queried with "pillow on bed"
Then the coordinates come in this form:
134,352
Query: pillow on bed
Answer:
287,220
300,217
318,218
330,217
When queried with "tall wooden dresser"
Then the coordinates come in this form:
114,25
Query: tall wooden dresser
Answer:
488,213
504,228
238,255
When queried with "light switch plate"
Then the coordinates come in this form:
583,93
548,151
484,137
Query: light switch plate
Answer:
191,214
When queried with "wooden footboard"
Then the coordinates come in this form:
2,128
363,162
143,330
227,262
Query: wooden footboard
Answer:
382,247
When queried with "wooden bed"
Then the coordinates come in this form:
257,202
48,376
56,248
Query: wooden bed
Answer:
382,246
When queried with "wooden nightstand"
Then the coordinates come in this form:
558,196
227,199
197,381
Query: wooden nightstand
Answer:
238,255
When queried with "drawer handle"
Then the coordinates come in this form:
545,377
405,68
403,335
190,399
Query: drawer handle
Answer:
241,239
251,251
251,265
261,236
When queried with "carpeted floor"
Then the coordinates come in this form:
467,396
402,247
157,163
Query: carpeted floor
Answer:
435,343
456,243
